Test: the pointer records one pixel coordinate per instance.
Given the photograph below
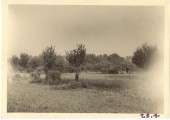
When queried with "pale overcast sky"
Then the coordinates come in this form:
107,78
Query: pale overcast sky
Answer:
103,29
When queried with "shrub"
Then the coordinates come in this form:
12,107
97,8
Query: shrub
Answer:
53,77
35,77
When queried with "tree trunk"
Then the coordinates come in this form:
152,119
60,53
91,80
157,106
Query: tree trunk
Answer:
77,76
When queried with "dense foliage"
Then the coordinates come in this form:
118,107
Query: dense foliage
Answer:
77,60
24,58
33,62
49,58
15,62
145,56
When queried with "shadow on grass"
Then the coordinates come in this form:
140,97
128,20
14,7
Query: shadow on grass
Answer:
113,85
98,84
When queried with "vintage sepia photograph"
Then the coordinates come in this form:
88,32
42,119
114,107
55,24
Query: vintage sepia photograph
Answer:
86,59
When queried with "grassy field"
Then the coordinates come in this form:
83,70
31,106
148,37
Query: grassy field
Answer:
106,94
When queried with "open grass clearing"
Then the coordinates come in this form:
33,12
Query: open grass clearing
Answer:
136,95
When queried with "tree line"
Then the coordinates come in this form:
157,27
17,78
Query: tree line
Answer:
77,60
94,63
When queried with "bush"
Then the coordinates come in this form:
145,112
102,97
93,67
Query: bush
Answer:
35,77
53,77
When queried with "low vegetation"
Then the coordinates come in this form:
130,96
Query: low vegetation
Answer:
101,94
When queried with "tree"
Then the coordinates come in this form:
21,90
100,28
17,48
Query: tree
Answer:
76,58
115,59
89,66
49,59
117,63
15,62
60,63
113,69
129,66
104,66
24,58
145,56
129,58
34,62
